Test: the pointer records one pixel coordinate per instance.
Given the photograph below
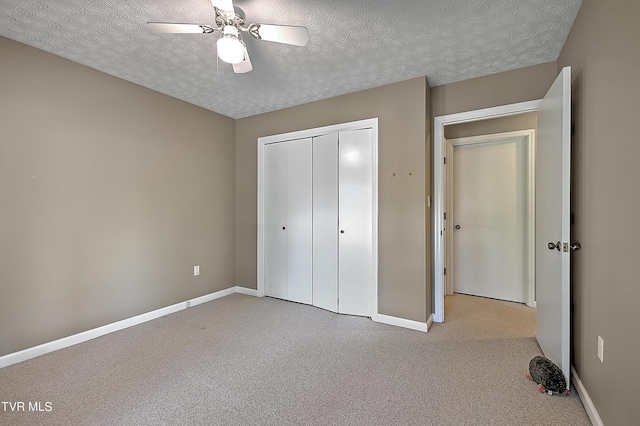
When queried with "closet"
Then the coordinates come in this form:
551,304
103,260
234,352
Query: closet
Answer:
317,199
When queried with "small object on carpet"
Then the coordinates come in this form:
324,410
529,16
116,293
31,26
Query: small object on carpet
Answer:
548,376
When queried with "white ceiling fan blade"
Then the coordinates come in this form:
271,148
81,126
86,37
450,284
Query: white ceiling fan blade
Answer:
226,5
298,36
244,66
171,28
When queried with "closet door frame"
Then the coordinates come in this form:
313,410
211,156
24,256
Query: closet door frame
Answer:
371,123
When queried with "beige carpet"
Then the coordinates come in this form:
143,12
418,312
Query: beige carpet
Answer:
242,360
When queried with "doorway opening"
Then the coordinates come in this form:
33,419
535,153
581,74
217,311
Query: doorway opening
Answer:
440,187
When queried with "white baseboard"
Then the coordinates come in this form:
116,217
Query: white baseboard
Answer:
586,400
45,348
209,297
429,322
401,322
247,291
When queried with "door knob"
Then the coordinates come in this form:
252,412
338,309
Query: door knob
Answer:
553,246
342,231
457,226
283,228
575,246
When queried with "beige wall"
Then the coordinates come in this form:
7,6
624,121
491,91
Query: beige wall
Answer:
110,193
488,127
603,49
524,84
403,228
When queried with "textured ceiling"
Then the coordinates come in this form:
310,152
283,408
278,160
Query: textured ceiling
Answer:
354,45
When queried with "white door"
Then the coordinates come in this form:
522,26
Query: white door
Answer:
553,164
325,222
299,221
355,270
275,220
490,218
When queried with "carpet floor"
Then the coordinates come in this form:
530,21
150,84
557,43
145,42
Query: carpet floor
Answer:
242,360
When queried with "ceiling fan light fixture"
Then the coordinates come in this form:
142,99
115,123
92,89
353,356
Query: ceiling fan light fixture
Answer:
230,48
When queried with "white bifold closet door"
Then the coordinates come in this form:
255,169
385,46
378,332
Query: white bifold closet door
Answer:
343,222
288,220
325,222
275,219
355,215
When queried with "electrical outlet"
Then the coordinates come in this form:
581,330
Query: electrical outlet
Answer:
600,349
196,270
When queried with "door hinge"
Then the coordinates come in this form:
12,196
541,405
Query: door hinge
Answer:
445,216
445,271
445,160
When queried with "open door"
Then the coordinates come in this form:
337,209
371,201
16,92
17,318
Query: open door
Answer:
553,165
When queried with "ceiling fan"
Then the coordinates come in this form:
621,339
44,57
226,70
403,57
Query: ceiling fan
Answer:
230,22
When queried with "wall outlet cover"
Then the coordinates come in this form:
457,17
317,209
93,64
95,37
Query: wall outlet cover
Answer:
601,349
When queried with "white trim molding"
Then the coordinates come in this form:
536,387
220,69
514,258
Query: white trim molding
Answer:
586,400
439,150
248,291
405,323
45,348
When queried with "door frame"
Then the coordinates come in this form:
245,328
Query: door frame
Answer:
371,123
439,178
523,136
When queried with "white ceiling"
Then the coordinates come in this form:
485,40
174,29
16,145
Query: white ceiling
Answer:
354,45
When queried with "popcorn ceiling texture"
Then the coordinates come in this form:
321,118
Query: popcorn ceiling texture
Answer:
354,45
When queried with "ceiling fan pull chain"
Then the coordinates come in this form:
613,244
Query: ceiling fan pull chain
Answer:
217,75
